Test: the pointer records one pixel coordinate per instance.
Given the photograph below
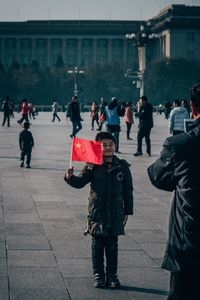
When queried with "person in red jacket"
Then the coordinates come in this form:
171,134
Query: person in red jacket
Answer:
129,119
24,112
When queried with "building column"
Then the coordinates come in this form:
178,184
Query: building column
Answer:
79,53
48,52
64,50
33,49
94,51
2,58
18,50
109,50
125,52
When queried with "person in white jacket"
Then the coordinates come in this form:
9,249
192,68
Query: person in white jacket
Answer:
176,118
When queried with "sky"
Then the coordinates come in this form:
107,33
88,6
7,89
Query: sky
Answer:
22,10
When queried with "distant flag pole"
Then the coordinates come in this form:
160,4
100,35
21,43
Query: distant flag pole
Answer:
110,16
17,13
79,14
49,14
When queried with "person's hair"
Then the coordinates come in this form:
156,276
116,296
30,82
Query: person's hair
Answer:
26,125
177,102
185,102
104,136
144,98
195,95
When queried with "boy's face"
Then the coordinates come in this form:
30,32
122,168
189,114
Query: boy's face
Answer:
108,147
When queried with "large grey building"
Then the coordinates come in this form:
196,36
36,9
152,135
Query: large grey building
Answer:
89,42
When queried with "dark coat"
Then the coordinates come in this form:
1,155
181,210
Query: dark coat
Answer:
25,139
145,116
178,170
111,193
74,111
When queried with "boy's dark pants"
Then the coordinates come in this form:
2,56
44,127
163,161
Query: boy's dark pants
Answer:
109,244
26,151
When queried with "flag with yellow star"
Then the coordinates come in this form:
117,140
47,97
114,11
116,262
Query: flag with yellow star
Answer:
88,151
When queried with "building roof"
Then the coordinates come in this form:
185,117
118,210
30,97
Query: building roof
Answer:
69,27
176,16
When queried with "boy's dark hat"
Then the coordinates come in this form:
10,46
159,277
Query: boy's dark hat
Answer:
26,125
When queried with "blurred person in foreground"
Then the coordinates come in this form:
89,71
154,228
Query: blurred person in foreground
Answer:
177,169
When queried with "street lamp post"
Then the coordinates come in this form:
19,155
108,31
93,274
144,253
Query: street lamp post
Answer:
75,72
141,39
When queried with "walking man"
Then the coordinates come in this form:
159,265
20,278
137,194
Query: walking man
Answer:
6,112
55,111
75,116
145,116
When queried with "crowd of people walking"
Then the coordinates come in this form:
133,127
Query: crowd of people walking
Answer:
176,169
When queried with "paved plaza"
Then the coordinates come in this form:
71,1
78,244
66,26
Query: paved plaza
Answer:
43,252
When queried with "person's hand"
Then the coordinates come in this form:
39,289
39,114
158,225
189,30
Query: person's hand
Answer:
125,220
69,173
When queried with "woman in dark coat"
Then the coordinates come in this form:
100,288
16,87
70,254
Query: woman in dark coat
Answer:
178,170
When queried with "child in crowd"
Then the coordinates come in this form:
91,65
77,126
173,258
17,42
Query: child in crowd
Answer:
26,143
110,203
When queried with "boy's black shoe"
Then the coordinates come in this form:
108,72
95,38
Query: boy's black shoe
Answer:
99,280
138,153
22,164
28,166
112,281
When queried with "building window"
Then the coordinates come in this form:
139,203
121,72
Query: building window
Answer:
41,51
117,50
190,55
71,53
10,51
102,51
163,46
132,55
86,52
190,37
56,49
25,51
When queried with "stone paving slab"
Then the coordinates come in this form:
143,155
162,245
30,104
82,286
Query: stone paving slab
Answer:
4,292
38,294
43,252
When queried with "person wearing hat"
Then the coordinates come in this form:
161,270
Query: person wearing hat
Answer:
177,169
26,143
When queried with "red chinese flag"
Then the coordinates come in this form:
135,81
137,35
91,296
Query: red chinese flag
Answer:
88,151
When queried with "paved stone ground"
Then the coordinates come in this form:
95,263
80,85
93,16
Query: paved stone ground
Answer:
43,252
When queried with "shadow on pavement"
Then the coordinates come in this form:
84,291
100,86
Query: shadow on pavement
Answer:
143,290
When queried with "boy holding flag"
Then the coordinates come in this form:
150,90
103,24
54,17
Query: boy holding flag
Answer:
110,203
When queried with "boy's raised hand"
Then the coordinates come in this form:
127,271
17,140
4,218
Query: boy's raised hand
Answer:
69,173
